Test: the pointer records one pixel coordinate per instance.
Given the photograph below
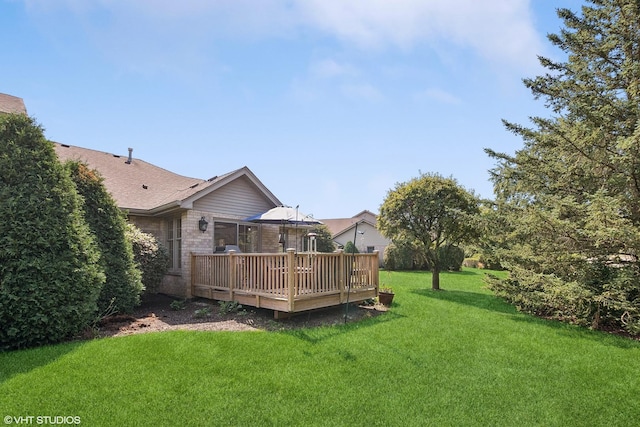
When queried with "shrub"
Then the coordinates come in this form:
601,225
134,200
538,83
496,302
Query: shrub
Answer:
605,298
491,262
350,248
121,291
398,257
228,307
408,256
50,276
451,257
202,312
403,255
324,240
151,257
178,304
471,263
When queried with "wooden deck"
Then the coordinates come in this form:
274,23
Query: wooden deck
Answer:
285,282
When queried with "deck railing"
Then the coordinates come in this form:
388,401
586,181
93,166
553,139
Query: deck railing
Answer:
282,280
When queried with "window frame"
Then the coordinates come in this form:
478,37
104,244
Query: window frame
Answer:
174,244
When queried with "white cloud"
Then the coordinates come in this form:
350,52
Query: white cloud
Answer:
329,68
362,91
498,30
440,96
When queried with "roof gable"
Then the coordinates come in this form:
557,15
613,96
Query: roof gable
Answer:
237,198
216,183
12,104
338,226
348,233
141,187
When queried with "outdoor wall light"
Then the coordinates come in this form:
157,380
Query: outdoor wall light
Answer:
202,224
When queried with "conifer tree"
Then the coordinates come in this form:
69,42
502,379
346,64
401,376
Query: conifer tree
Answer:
123,286
50,278
569,200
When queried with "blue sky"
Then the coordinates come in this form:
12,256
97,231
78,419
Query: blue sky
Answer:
329,102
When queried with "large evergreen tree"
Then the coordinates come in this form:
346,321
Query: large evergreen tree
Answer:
50,278
123,286
569,200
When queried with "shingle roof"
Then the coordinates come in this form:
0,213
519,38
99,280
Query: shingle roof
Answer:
340,225
11,104
137,186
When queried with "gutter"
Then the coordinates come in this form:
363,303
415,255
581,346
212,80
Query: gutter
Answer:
157,211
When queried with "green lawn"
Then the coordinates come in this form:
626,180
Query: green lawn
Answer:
451,358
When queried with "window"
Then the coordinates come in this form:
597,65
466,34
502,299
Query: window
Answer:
248,236
174,243
225,233
245,236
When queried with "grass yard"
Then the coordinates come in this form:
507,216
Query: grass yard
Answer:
453,358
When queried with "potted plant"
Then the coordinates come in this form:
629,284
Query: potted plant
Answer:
385,295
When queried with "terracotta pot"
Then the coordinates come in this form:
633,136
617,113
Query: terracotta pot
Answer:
385,298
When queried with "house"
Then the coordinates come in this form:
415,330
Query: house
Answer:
367,237
187,215
220,242
11,104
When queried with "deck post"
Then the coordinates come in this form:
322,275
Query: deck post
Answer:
375,268
341,274
232,272
291,277
193,271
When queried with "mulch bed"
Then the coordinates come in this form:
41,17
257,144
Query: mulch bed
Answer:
160,312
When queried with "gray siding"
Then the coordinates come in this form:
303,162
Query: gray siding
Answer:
238,199
371,237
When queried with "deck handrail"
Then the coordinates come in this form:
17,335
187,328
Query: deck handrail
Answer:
286,276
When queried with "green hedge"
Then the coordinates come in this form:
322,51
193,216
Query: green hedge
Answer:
407,256
123,286
50,276
451,257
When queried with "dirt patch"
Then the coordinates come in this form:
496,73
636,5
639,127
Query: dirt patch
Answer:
163,313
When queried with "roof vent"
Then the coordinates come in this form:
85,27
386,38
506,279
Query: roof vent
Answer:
130,158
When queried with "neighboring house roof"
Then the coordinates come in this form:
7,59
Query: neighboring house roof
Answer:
143,188
368,237
338,226
11,104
